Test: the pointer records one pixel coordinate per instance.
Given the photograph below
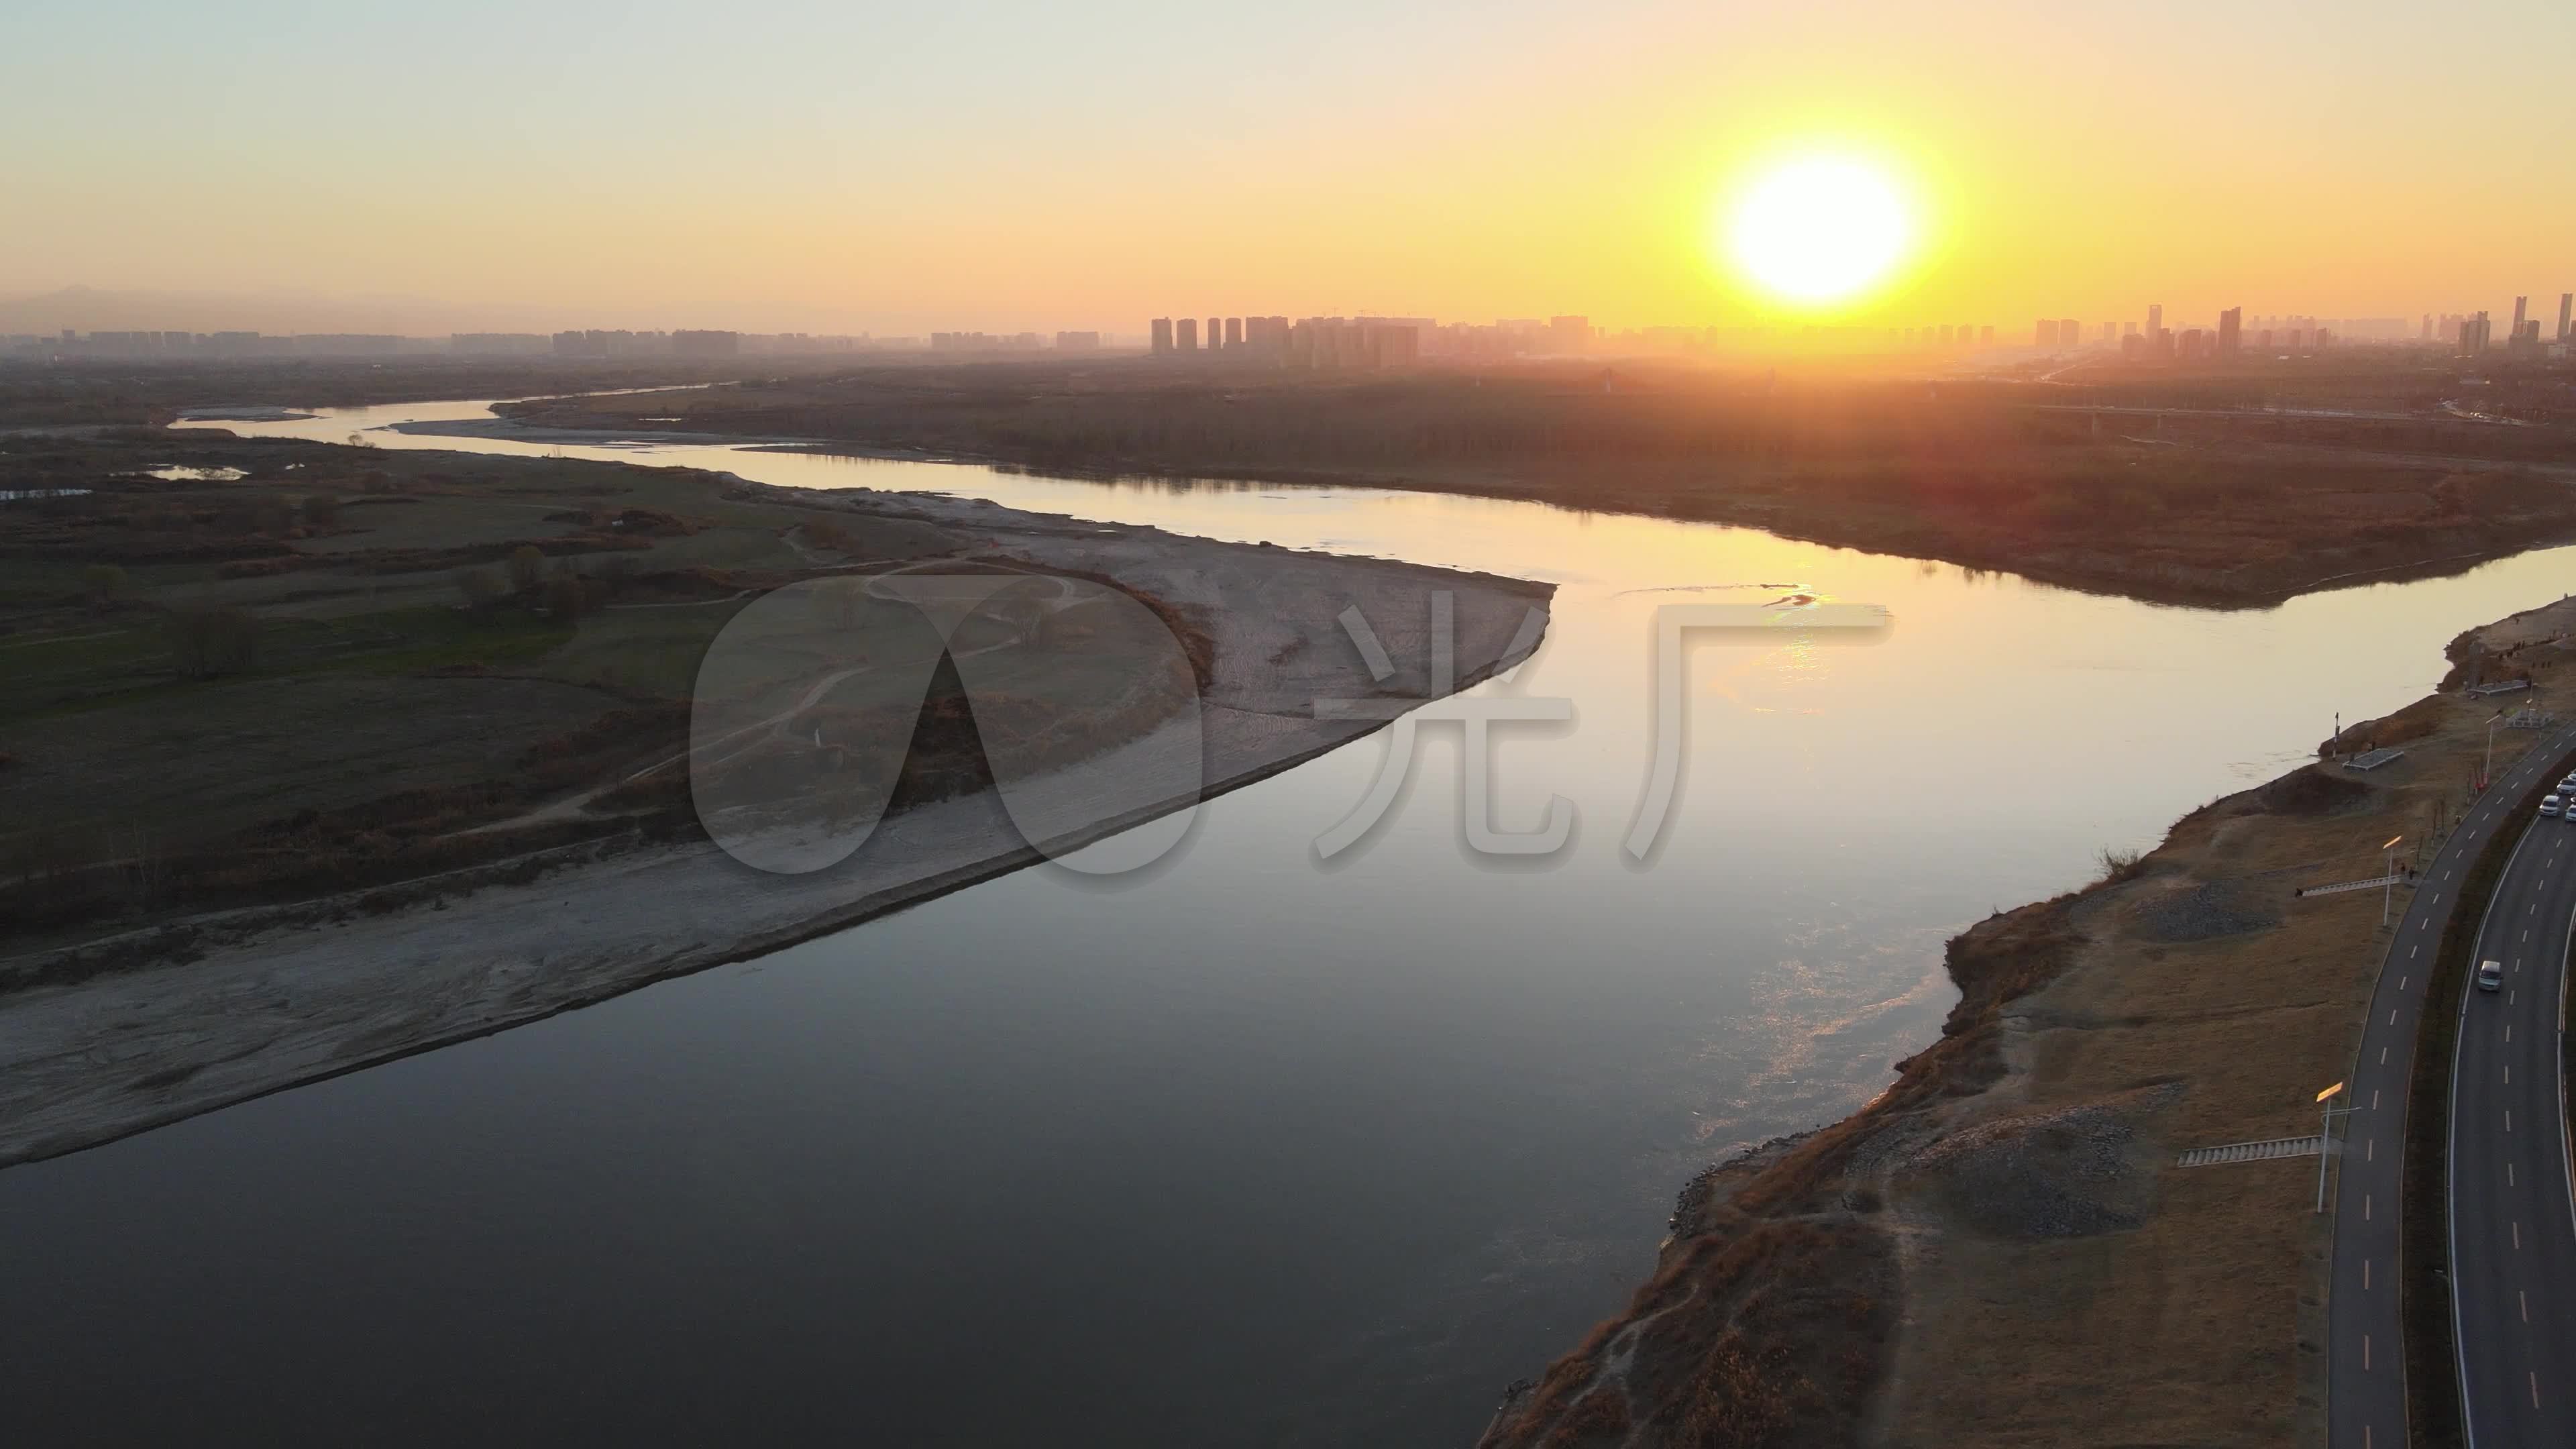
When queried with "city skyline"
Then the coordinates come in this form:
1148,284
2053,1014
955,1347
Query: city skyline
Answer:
2422,326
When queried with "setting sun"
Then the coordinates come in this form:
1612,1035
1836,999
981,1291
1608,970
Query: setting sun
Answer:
1819,229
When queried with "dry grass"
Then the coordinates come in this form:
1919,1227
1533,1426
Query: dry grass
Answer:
2203,1324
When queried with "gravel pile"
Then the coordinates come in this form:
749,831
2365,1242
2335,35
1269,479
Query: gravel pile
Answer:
2068,1173
2215,908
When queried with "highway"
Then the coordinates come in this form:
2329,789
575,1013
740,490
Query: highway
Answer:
2365,1345
2513,1221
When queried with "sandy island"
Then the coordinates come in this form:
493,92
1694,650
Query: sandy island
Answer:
274,997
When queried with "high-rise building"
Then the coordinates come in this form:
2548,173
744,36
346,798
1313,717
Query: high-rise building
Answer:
1569,335
1077,342
1233,333
1216,334
2044,333
2427,334
1162,336
1185,335
1985,337
2155,318
2520,306
2565,301
2231,331
2473,334
2070,333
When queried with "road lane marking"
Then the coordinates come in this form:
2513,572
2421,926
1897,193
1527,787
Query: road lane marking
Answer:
2365,1207
2508,1076
2365,1274
2383,1056
2370,1149
2392,1016
2508,1119
2508,1031
2374,1092
2508,1174
2412,952
2535,1388
2365,1353
2517,1235
2526,1304
2402,980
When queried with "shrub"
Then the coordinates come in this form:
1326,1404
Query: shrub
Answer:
106,584
527,568
2120,865
481,590
208,642
564,597
321,510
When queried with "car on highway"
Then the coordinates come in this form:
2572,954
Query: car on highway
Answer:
2549,805
2490,975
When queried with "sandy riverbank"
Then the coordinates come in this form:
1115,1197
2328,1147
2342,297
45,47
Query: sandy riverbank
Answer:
270,999
2002,1249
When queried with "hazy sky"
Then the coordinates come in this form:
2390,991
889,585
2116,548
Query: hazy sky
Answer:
768,164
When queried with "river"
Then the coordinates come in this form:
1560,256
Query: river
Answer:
1247,1149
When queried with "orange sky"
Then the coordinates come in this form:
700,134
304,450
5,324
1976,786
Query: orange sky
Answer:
776,164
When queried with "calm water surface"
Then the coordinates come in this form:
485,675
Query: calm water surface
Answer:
1245,1150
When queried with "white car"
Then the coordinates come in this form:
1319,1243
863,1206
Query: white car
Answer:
2548,804
2490,975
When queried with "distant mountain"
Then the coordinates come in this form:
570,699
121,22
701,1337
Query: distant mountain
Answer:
92,309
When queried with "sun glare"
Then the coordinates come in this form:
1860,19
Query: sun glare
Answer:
1820,229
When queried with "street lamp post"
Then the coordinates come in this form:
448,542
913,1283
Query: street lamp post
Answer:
2489,772
2325,1137
2388,887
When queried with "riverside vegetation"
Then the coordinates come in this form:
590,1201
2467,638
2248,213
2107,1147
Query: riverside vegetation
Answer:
2206,506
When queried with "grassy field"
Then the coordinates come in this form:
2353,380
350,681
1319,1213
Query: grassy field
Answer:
307,666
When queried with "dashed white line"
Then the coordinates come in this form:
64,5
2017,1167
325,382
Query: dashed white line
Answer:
2402,980
2374,1099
